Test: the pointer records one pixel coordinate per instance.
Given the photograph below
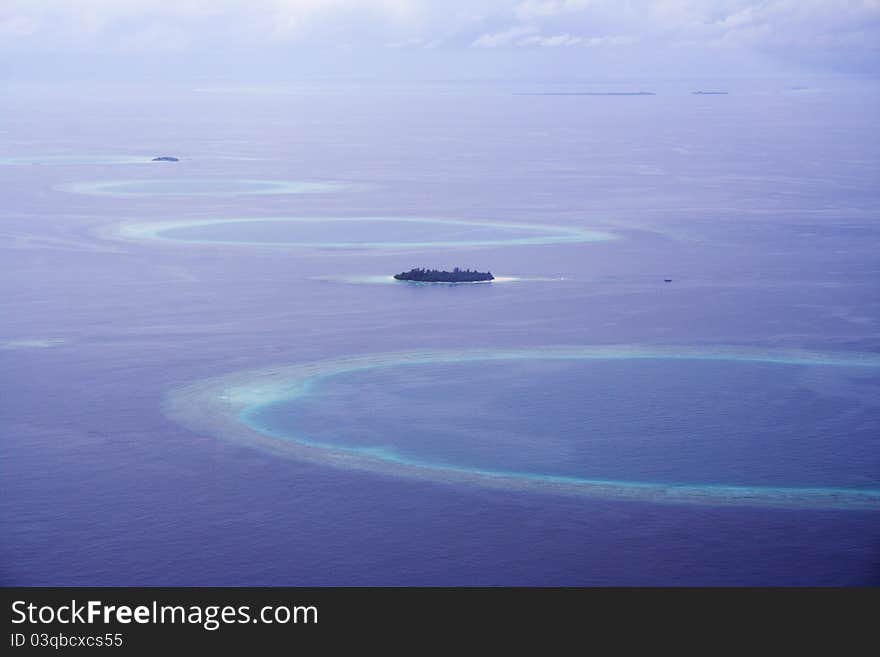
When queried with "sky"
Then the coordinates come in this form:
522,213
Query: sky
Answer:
284,39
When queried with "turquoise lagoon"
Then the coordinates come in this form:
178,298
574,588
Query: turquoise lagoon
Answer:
718,426
358,232
201,187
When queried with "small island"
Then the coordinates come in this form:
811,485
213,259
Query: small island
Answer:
166,158
586,93
436,276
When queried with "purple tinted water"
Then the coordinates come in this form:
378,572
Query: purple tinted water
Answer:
760,205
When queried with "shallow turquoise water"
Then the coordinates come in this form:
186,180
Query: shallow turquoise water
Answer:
370,232
723,422
192,187
200,187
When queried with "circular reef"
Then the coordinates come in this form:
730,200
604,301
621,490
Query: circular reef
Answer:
366,233
201,187
715,426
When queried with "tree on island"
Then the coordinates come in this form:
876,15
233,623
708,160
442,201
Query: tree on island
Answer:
457,275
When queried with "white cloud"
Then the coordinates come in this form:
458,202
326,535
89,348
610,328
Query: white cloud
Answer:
614,40
18,26
790,27
406,43
531,9
551,41
156,37
505,38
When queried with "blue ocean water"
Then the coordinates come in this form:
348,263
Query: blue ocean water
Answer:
665,421
760,206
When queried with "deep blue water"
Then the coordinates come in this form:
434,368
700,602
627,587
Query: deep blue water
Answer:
761,205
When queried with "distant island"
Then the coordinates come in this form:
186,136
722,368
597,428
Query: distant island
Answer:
436,276
586,93
166,158
709,93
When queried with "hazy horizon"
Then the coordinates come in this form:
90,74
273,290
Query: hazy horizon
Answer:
284,40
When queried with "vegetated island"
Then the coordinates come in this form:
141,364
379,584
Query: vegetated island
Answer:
436,276
586,93
166,158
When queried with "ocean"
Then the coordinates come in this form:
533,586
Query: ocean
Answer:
673,381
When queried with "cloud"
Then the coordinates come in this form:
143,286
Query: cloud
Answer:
505,38
406,43
805,30
156,37
551,41
612,40
117,24
17,27
532,9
